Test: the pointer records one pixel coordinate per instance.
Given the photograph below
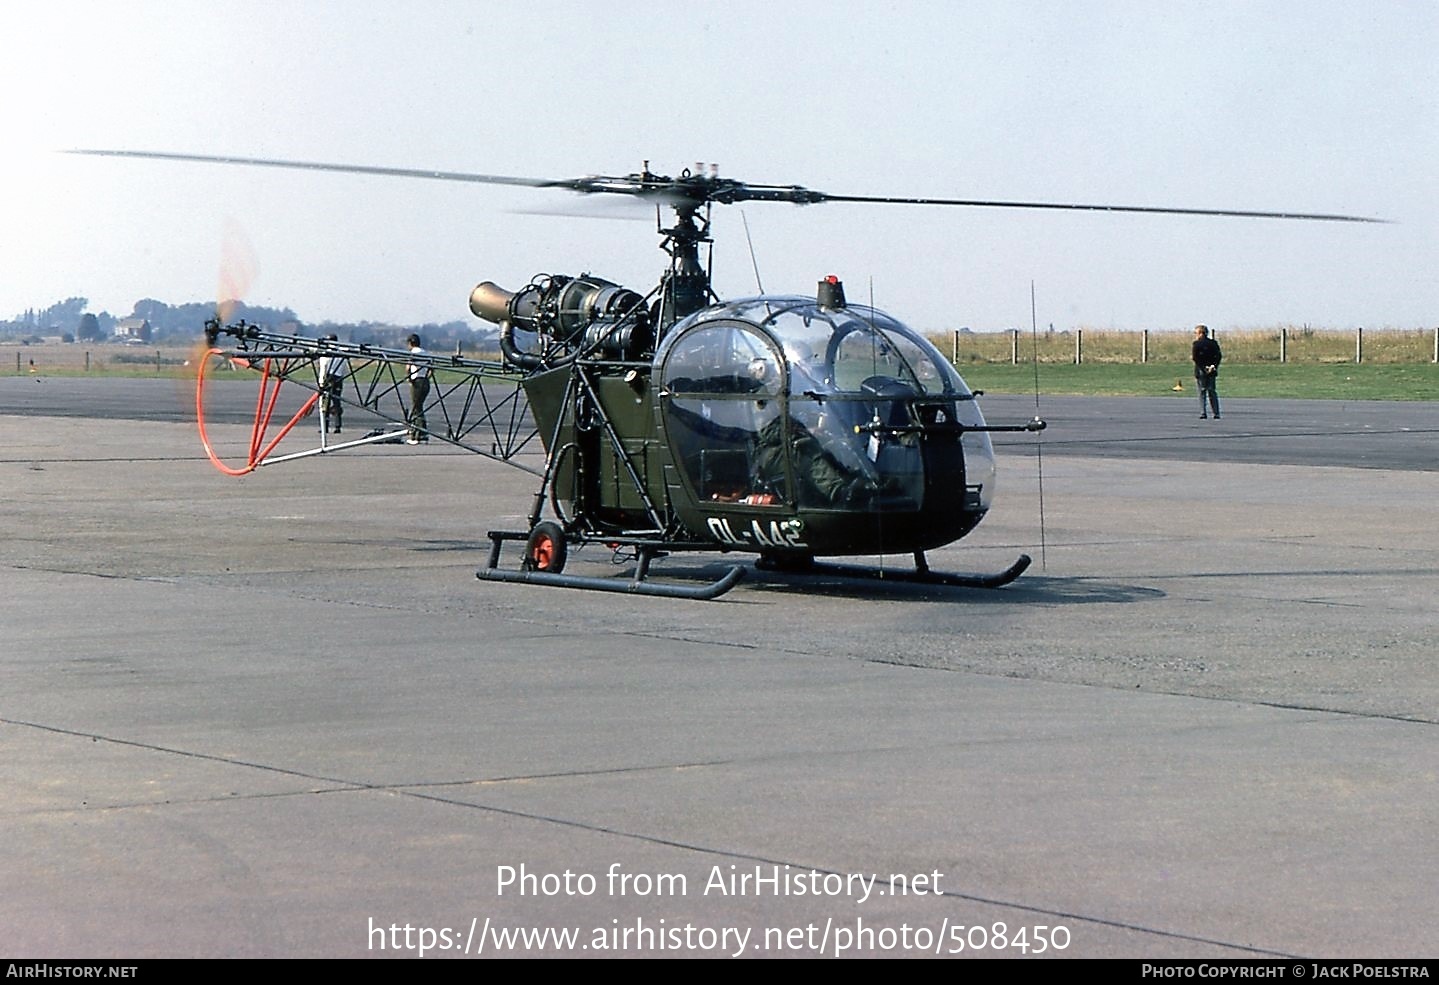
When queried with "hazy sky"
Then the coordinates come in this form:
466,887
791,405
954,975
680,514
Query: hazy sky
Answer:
1283,106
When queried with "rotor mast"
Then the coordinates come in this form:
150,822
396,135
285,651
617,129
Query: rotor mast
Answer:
685,287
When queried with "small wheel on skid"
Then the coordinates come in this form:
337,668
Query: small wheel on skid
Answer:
546,550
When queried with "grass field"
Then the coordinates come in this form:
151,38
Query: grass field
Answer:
1330,377
57,359
1370,381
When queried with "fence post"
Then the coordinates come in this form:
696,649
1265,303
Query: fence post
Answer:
1014,345
1078,346
1359,345
1284,344
1436,345
954,349
1144,346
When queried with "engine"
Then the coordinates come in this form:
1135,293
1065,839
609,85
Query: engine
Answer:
567,316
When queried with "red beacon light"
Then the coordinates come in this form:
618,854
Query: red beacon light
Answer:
830,293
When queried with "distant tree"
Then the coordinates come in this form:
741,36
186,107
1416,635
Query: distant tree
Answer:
185,320
151,310
67,337
261,315
65,312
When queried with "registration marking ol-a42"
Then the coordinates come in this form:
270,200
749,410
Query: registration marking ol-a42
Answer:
781,533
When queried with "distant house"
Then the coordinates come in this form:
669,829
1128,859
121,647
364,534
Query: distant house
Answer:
137,329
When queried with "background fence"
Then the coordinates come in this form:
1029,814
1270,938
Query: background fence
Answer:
77,357
1278,345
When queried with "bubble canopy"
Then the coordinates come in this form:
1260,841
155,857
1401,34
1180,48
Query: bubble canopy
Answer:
787,401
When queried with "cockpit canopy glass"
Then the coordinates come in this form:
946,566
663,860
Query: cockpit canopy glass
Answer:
834,350
784,402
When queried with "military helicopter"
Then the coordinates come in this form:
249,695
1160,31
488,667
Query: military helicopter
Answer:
793,427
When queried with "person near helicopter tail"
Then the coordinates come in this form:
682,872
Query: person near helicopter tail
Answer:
418,373
1207,356
331,372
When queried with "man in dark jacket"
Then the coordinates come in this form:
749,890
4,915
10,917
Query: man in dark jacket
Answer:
1206,370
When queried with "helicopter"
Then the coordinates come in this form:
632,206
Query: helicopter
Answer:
791,427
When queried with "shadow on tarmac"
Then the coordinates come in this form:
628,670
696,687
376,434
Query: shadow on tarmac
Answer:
758,585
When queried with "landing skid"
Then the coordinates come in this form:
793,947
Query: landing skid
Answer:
637,585
924,576
533,573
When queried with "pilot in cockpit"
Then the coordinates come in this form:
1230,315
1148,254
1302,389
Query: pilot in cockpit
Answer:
827,468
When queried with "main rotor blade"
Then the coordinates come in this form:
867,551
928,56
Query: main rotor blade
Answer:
663,189
692,190
488,179
1077,207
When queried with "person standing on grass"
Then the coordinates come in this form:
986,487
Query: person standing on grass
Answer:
1206,370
